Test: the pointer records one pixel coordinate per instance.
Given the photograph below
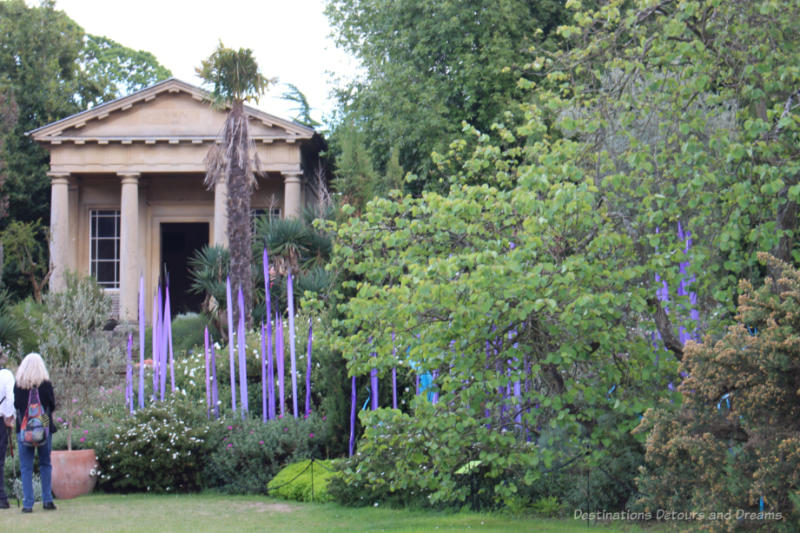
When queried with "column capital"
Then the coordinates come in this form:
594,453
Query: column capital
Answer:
59,178
292,176
129,177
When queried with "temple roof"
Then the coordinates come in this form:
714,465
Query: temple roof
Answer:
170,111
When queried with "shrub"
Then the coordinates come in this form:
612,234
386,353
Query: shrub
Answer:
190,376
16,488
604,480
78,351
734,443
404,460
304,481
547,507
160,448
246,454
11,471
187,334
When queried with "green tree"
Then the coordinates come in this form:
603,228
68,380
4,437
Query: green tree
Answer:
39,50
8,117
294,245
495,290
25,253
356,180
111,70
235,78
395,174
685,112
553,231
431,66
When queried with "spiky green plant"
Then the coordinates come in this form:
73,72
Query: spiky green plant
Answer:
286,240
209,269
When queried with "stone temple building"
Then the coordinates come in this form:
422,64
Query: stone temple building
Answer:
127,189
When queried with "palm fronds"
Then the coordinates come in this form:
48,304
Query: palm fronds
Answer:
208,270
292,244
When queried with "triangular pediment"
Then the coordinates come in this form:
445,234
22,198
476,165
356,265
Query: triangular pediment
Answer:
171,111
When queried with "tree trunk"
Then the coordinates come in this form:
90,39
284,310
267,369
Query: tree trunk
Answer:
787,224
239,190
664,325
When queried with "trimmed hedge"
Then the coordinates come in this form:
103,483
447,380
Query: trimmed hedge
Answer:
294,482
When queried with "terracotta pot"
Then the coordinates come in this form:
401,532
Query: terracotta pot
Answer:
73,473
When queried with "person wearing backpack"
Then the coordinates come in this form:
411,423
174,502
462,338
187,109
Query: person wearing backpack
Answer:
7,416
33,383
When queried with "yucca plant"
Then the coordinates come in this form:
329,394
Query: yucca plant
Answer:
292,244
286,240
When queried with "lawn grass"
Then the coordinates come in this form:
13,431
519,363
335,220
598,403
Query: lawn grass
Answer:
201,513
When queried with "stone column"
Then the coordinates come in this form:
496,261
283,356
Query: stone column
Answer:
292,206
221,214
74,223
59,230
129,266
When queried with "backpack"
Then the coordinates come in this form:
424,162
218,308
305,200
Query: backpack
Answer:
35,423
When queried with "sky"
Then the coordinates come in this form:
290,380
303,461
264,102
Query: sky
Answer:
290,39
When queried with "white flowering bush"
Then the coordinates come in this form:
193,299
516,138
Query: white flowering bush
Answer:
160,448
190,373
190,376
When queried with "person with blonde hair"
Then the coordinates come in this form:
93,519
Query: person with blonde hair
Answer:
7,416
32,373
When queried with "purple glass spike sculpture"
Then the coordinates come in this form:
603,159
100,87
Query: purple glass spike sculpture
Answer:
292,355
229,301
308,368
141,342
242,355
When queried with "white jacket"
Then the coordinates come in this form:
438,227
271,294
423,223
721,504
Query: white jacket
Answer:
6,393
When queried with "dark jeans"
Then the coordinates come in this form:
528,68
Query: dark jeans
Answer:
3,444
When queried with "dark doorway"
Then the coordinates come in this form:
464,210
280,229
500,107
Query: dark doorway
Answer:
179,241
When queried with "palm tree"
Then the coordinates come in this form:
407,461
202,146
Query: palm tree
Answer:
236,78
303,109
